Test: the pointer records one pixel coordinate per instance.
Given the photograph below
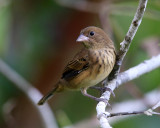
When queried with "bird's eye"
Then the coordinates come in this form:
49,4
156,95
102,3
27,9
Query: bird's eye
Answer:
91,33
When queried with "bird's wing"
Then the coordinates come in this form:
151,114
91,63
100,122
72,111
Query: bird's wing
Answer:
76,66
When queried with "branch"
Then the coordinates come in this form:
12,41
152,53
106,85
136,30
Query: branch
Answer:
32,93
125,44
126,76
149,99
114,74
148,112
137,71
125,113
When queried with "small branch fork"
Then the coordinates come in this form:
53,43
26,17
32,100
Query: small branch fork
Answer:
148,112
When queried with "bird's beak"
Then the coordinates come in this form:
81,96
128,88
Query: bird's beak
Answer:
82,38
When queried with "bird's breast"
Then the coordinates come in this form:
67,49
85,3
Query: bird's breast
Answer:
101,63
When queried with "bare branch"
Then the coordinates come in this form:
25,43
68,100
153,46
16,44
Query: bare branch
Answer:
128,75
125,113
148,112
32,93
138,70
149,99
125,44
114,75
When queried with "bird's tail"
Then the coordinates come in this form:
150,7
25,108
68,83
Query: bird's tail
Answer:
47,96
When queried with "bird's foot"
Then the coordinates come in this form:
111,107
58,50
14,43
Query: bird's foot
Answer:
103,100
110,90
84,92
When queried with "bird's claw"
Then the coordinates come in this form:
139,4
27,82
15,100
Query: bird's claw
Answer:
103,100
110,90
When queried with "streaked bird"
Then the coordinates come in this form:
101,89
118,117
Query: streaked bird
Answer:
90,66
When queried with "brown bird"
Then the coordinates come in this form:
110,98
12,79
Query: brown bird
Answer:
89,66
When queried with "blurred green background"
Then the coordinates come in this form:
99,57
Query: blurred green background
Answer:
38,37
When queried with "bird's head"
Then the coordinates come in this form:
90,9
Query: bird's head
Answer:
94,38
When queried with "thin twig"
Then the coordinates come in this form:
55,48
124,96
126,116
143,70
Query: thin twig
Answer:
148,112
32,93
149,99
125,113
123,50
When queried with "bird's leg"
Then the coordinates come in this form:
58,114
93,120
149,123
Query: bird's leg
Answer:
84,92
96,88
103,89
104,82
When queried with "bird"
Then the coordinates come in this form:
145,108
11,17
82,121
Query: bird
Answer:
90,66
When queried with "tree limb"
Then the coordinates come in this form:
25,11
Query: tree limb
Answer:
125,44
114,74
126,76
137,71
149,99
